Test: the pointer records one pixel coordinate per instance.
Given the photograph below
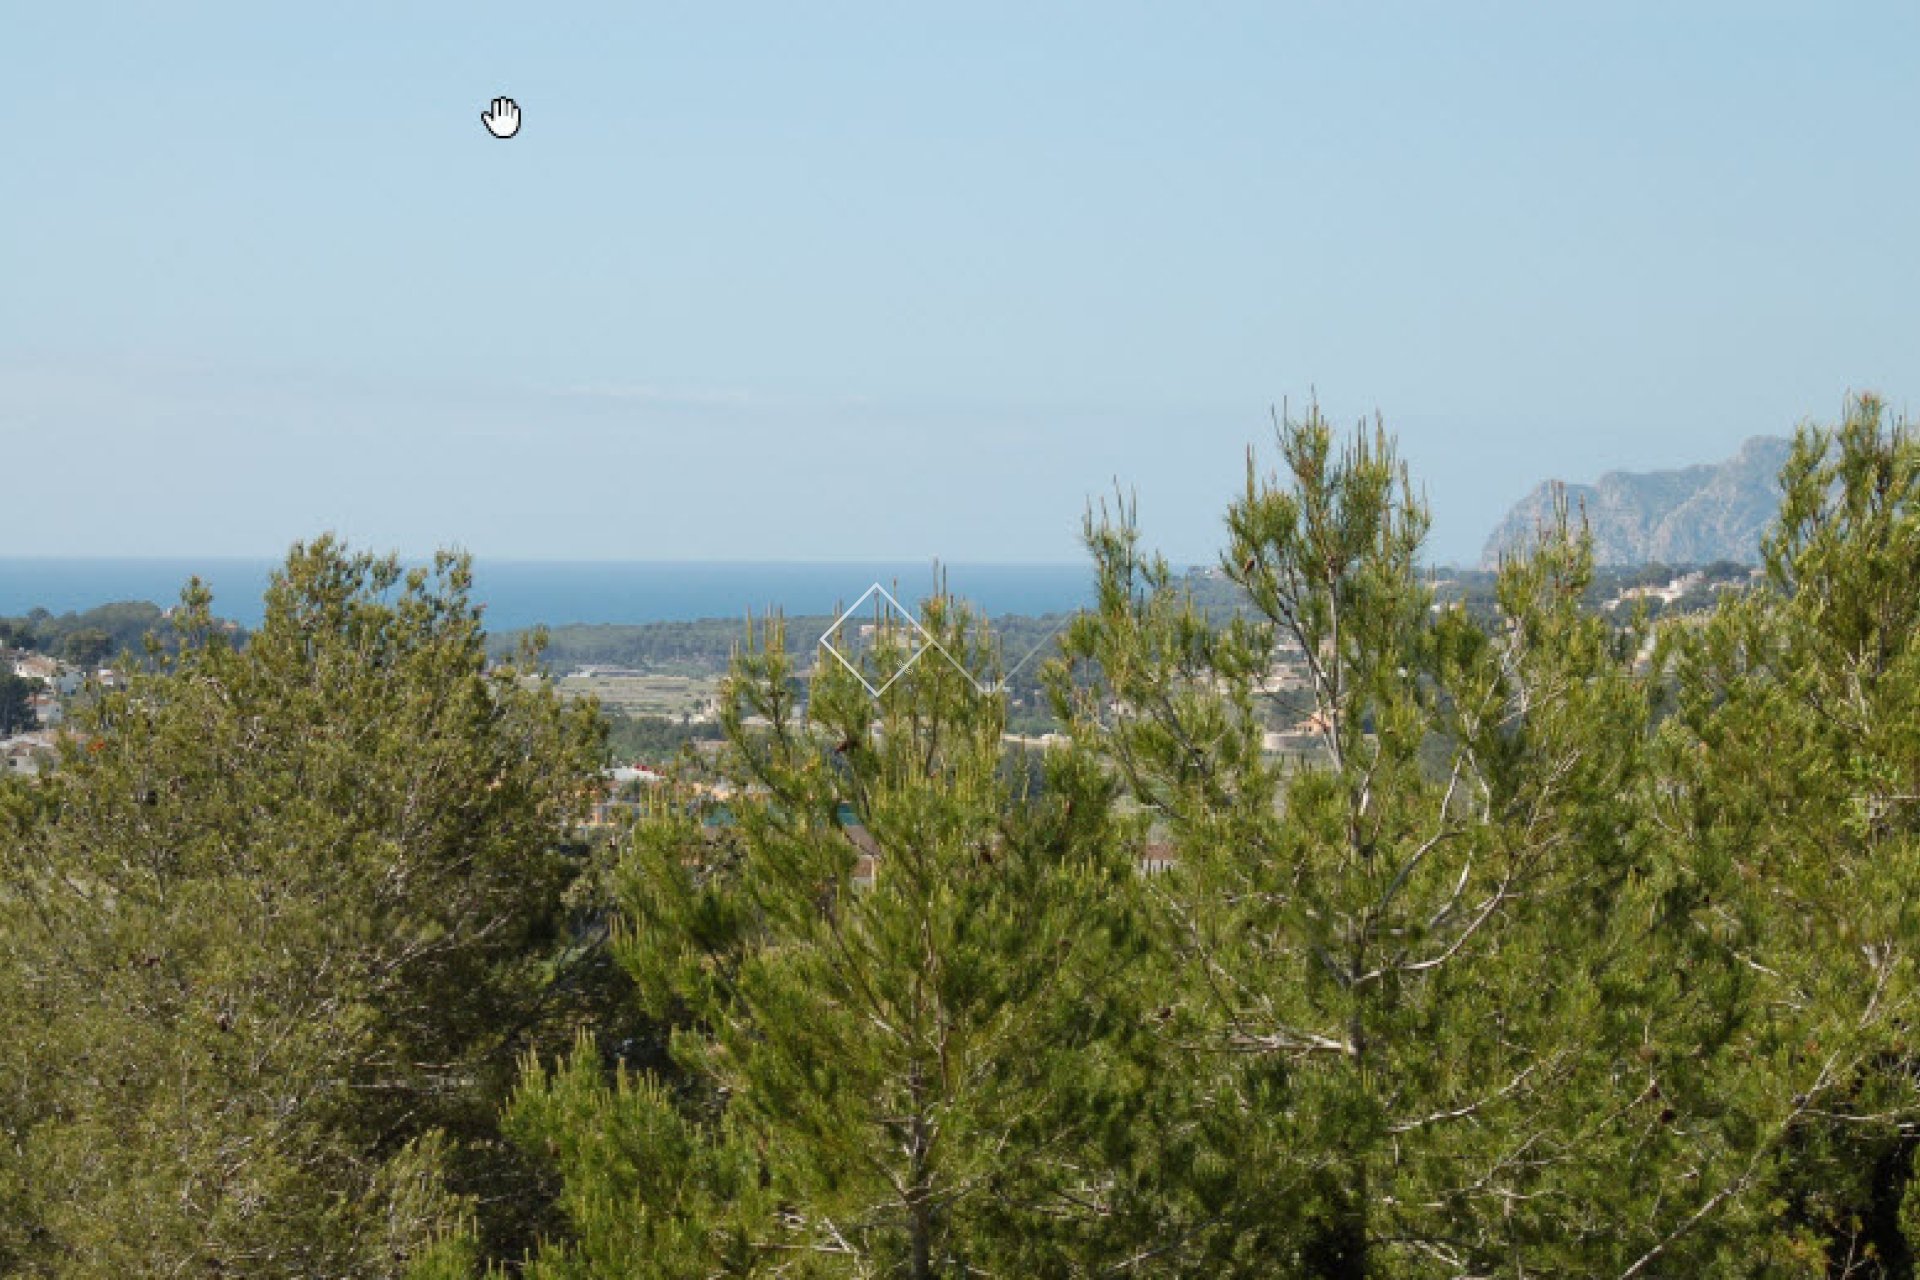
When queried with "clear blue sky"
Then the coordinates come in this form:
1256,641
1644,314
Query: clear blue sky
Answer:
834,281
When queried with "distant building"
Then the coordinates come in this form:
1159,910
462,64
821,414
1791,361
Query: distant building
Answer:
1157,857
1674,589
867,856
1282,679
36,666
27,756
1045,741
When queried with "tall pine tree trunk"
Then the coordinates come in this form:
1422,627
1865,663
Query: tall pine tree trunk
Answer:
920,1189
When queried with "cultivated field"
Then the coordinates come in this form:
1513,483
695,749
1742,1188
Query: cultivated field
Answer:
644,695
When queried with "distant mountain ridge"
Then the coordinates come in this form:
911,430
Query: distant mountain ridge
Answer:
1695,515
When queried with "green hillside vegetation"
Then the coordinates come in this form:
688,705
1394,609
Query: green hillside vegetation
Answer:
654,739
1584,947
96,635
706,647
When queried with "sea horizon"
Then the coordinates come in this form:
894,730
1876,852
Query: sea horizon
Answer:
517,594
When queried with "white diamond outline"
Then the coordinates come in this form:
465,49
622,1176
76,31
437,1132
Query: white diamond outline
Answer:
999,686
927,641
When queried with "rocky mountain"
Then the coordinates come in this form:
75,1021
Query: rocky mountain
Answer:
1691,516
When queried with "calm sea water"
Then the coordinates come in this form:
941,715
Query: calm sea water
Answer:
529,593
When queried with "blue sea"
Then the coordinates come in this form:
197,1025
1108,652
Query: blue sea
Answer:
524,593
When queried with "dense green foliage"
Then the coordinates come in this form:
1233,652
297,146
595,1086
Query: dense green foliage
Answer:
1792,783
908,1071
653,739
1420,972
98,634
16,702
1584,946
276,937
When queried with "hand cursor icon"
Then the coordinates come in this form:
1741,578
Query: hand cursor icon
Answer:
503,121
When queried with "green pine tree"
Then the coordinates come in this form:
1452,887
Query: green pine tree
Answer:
274,945
1435,1019
906,997
1794,768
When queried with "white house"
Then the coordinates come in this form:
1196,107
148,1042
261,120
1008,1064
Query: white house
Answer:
36,666
21,758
